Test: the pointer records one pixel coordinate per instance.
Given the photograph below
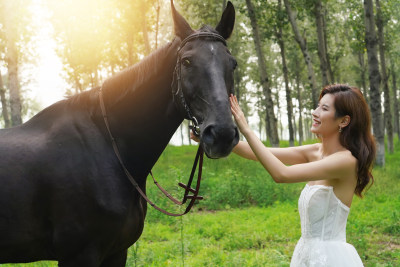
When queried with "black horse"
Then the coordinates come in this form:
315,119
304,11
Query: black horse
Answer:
63,193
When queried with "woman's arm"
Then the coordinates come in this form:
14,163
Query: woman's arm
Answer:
288,155
336,166
244,150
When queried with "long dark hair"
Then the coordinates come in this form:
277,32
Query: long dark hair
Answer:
356,136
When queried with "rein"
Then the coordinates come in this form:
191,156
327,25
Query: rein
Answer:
179,100
198,161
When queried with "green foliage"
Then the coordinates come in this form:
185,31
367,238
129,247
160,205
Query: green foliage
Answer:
246,228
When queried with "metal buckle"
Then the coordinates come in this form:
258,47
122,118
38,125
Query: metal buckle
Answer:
195,127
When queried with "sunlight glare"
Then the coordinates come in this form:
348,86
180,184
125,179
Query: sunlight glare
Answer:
49,86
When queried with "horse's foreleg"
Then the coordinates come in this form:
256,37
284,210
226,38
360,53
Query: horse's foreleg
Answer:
116,260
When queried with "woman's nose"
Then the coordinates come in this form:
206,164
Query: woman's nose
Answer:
313,112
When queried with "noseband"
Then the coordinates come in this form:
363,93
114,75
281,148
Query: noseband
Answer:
177,92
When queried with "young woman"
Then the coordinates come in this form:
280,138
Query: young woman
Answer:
335,169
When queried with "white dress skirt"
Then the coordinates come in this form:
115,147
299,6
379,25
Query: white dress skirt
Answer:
323,231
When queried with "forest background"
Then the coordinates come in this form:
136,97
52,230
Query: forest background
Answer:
286,52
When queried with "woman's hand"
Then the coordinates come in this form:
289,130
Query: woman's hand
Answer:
239,116
194,137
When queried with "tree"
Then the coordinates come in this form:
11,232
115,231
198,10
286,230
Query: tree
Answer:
374,81
12,58
322,43
280,21
392,40
395,101
356,38
271,121
303,46
4,108
385,78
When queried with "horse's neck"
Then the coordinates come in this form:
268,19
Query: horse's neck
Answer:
146,119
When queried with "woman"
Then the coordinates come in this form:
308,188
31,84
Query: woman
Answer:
335,169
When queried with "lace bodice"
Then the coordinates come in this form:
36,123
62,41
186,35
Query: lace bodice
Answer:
323,231
322,214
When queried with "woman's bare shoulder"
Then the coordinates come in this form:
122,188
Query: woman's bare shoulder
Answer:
345,157
311,152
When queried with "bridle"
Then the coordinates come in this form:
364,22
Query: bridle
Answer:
177,92
177,96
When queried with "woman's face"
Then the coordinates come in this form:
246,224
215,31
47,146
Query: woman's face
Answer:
324,122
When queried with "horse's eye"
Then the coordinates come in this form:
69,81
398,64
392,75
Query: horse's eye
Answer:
186,62
235,64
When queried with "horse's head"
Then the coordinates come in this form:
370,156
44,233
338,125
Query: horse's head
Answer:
203,81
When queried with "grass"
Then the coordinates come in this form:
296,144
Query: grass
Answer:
248,220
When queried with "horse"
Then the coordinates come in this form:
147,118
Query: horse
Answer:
63,193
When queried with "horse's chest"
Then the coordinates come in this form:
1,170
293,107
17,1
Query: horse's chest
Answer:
131,225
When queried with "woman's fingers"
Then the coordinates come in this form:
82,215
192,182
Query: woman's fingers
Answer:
238,114
194,137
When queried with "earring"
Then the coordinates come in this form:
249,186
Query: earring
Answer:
340,129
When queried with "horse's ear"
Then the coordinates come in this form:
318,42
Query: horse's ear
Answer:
225,26
182,27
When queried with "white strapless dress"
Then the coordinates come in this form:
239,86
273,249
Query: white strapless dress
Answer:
323,231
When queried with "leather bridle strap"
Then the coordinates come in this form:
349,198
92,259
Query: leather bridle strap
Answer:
177,92
188,189
198,35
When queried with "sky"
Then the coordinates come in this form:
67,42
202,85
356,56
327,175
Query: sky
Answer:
48,86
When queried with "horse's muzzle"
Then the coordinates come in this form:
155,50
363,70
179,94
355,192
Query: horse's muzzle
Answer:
219,140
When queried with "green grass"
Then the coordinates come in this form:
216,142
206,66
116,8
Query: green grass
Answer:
248,220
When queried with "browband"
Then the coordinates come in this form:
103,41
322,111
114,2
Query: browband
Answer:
197,35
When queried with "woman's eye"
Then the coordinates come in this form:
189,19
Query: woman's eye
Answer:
186,62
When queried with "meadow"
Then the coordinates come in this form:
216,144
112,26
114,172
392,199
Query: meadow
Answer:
248,220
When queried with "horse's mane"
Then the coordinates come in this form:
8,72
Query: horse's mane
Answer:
130,78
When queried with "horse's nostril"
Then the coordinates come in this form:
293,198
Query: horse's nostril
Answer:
236,139
209,135
220,135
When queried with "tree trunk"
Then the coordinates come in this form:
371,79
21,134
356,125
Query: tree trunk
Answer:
363,71
157,22
385,78
272,131
289,103
188,133
299,98
144,28
332,75
12,62
395,102
322,52
181,130
374,81
4,110
303,46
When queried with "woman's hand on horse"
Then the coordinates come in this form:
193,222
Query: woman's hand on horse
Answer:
194,137
239,116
